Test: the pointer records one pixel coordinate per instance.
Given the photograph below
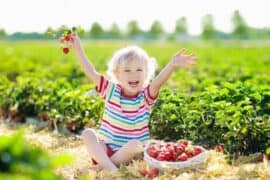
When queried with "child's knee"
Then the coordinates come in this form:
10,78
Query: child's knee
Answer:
136,145
88,134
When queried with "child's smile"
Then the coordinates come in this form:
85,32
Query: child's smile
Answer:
133,83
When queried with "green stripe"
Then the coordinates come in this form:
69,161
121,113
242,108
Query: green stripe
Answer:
111,91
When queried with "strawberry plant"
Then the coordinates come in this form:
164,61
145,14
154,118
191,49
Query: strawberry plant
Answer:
20,160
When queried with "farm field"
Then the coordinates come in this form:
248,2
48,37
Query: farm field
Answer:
224,99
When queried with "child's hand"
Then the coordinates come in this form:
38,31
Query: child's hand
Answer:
75,39
182,60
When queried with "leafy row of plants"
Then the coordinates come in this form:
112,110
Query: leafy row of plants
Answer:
236,114
20,160
58,103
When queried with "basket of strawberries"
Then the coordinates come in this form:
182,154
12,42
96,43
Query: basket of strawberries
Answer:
176,155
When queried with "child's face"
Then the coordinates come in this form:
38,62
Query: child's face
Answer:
131,76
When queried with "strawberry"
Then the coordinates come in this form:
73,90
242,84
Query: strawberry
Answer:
153,153
219,147
197,151
190,151
161,156
153,172
144,172
66,50
168,155
174,156
182,157
180,149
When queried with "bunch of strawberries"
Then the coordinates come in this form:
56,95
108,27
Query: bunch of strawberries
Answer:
174,152
66,39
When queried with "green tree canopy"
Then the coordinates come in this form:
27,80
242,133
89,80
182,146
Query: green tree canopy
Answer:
156,29
114,31
208,29
240,27
133,28
181,25
96,30
3,33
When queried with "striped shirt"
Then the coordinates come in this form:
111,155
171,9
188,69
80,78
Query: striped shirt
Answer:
125,117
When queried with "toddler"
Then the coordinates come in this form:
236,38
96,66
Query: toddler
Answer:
128,96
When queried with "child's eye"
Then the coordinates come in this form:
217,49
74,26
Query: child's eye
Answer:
139,69
126,70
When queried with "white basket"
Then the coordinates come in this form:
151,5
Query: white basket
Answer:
190,163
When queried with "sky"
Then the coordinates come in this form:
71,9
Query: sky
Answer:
37,15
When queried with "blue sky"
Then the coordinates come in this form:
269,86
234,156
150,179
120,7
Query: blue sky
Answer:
37,15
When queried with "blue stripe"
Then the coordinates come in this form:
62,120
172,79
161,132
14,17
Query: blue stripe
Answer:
128,122
125,137
108,111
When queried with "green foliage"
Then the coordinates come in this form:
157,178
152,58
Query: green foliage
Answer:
96,30
181,25
156,29
235,114
19,160
208,27
240,27
133,28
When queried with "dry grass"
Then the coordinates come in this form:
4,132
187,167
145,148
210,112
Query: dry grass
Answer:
214,168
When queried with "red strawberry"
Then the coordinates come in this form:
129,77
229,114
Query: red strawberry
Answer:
197,151
66,50
67,38
153,173
219,147
182,157
144,172
152,153
161,156
168,156
190,151
174,156
180,149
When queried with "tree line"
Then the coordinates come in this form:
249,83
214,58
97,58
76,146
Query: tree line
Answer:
240,30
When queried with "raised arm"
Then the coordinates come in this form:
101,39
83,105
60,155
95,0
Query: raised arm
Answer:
85,64
178,60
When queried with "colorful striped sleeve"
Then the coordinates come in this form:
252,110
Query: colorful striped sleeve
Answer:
103,87
150,100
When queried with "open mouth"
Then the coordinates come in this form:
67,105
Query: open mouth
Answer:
133,83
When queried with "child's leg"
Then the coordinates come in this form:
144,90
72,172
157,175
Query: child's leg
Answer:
126,153
96,150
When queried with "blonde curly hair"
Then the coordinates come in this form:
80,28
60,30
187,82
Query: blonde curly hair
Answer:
131,53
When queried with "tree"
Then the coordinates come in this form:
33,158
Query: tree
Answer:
80,31
114,31
96,30
240,27
50,33
208,29
181,26
3,34
133,28
156,29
